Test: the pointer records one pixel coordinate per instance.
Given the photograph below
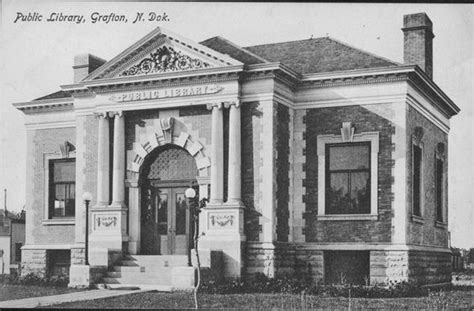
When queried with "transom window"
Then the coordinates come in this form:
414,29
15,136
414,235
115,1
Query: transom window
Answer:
62,188
348,178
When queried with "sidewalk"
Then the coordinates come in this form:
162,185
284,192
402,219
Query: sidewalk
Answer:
57,299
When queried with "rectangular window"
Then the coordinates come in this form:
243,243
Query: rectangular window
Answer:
18,252
348,178
439,190
59,262
62,188
417,156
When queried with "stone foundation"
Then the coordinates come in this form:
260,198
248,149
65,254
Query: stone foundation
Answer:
421,267
78,256
34,261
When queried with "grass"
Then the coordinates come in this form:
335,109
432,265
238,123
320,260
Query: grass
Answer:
11,292
182,300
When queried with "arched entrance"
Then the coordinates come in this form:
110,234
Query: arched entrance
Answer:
165,221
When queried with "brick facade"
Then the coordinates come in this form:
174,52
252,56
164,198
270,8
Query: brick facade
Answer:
427,232
329,121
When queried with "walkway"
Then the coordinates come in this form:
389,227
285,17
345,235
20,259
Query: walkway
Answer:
57,299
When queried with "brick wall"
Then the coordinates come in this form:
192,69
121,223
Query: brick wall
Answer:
45,141
329,121
282,168
426,233
251,164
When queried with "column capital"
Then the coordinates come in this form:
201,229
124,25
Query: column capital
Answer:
211,106
235,103
100,115
118,113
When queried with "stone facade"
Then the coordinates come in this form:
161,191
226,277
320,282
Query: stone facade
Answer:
257,135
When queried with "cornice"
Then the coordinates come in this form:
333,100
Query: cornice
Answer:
171,78
426,87
46,105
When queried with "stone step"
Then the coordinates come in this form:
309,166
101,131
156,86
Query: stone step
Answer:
157,273
158,260
128,269
138,280
157,287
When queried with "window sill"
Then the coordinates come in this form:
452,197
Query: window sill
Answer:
417,219
348,217
55,222
441,224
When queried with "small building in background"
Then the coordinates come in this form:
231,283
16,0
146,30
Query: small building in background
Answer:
12,238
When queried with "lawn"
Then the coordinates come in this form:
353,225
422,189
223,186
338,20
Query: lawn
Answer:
179,300
10,292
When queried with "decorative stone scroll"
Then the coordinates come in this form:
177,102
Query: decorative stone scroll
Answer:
106,221
220,220
347,132
417,135
165,59
66,148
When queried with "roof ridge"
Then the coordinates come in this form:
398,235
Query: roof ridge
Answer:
291,41
236,46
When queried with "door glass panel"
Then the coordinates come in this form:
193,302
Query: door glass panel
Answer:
163,214
181,207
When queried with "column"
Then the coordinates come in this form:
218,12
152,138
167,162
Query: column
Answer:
217,164
118,173
234,172
134,217
103,161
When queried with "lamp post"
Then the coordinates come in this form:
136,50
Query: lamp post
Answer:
190,194
87,197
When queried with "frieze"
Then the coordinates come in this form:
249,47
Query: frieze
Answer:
166,93
165,59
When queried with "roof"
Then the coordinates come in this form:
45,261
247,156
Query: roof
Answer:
55,95
319,55
224,46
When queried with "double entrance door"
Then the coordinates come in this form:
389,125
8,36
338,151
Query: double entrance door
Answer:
166,224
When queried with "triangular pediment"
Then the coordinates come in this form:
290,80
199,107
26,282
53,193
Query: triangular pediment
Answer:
161,51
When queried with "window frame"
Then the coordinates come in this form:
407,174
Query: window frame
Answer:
47,220
322,140
443,221
417,218
347,171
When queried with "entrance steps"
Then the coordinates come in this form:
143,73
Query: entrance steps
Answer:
157,272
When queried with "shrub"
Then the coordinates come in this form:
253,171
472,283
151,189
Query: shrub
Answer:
34,279
304,285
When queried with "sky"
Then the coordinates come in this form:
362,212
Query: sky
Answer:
37,57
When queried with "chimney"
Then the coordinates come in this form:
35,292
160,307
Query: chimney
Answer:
84,64
418,41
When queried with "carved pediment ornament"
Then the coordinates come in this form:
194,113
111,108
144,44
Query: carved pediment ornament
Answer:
165,59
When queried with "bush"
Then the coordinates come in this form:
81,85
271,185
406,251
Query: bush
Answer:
304,285
34,279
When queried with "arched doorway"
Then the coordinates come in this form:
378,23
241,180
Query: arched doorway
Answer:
165,220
